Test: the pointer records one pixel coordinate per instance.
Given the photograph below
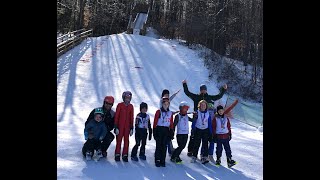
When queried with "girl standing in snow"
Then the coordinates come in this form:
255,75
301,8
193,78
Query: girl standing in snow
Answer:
123,125
142,124
202,128
162,129
166,93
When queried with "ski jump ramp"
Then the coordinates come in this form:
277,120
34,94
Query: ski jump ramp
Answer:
138,23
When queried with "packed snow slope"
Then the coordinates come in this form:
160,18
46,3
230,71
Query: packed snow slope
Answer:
109,65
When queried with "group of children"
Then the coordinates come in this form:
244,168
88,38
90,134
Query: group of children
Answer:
208,127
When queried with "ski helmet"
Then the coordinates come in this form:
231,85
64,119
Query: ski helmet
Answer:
183,104
183,107
109,99
98,111
203,87
126,94
143,105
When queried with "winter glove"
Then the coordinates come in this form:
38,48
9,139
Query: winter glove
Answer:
131,131
214,138
195,115
101,138
230,137
150,134
171,134
210,138
116,131
155,135
86,135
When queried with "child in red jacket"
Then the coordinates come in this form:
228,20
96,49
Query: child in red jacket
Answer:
162,129
123,124
222,135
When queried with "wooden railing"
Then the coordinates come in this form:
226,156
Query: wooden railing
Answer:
71,39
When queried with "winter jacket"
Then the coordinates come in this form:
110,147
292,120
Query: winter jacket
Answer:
124,116
208,119
163,118
108,118
182,123
198,97
221,127
98,129
143,121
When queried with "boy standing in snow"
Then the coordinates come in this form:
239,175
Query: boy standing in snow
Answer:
162,129
108,119
222,135
212,112
123,125
94,132
203,95
166,93
181,120
202,128
142,124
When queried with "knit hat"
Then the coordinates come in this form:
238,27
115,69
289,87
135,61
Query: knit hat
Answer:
219,107
203,87
165,91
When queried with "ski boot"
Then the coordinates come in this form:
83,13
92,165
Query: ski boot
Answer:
104,154
173,159
162,164
134,158
204,160
99,154
88,155
143,157
125,158
157,163
211,159
231,162
189,154
218,161
193,160
117,157
178,160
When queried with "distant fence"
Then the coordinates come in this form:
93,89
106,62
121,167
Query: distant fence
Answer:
247,112
71,39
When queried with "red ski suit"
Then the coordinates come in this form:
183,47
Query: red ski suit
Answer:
124,121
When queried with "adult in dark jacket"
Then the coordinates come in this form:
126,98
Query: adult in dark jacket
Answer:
196,98
108,119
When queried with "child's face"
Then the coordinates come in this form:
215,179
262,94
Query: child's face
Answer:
221,111
166,95
203,106
98,117
144,110
184,109
165,105
127,99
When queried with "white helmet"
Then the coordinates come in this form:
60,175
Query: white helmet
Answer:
183,103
